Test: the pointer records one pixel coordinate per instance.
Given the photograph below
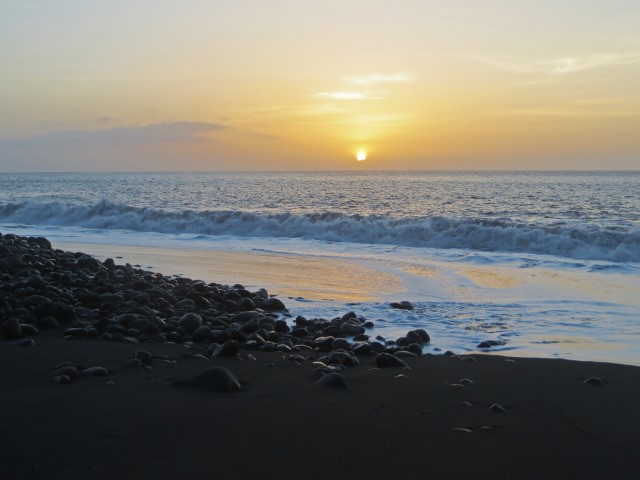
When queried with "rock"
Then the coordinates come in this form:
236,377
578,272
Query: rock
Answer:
215,379
190,322
340,344
333,379
362,349
48,322
404,354
61,312
351,330
273,304
68,370
27,342
251,326
11,329
281,326
144,356
94,372
490,343
246,304
384,360
404,305
202,334
341,357
11,262
62,380
229,348
594,381
497,408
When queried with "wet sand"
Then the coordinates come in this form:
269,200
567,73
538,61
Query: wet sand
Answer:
289,275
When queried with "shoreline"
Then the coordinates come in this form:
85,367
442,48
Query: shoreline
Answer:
463,303
99,395
293,276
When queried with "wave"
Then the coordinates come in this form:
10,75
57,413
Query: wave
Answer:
588,242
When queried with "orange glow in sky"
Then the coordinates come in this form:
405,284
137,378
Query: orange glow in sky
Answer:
279,85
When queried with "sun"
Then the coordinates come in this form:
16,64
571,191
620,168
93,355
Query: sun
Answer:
361,156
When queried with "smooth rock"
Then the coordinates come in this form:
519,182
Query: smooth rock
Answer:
215,379
384,360
333,379
94,372
229,348
62,380
404,305
190,321
594,381
11,329
273,304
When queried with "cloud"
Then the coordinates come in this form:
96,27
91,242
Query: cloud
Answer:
343,95
156,133
159,145
377,78
560,66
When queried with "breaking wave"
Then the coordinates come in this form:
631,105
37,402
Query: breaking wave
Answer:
587,242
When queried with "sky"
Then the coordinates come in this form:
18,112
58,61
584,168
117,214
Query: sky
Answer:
153,85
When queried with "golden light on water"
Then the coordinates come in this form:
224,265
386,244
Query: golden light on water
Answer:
361,156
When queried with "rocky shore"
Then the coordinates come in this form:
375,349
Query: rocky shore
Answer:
47,289
110,371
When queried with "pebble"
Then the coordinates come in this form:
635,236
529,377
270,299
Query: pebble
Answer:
27,342
61,380
94,372
404,305
462,429
144,356
68,371
215,379
333,379
133,363
384,360
497,408
594,381
229,348
89,299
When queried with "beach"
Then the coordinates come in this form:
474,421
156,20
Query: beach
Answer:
406,424
126,409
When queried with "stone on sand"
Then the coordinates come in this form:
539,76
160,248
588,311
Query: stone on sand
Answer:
215,379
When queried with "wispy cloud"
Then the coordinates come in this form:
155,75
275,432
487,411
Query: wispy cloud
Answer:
377,78
560,66
144,147
343,95
156,133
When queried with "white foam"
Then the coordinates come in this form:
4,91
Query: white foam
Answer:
582,242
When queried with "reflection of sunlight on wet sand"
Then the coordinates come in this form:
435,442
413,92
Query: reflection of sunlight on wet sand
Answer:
284,275
582,343
491,278
428,272
608,288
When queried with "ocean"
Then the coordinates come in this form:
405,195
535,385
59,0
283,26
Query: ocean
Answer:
544,263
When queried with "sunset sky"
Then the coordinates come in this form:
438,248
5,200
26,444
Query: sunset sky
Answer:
104,85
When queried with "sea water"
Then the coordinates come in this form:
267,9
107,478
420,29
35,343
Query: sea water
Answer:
546,262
